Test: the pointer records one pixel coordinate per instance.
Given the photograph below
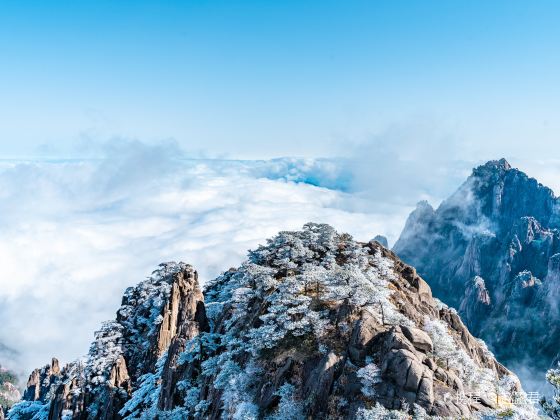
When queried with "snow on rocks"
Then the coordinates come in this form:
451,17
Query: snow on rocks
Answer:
312,324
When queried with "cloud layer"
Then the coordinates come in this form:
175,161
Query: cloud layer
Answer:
75,234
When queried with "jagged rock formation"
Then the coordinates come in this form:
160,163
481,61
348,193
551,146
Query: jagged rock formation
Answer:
41,380
151,315
492,250
312,325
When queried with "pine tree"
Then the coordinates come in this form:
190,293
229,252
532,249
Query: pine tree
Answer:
552,407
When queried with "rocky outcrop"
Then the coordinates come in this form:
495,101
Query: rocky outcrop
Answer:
312,325
491,250
40,382
150,318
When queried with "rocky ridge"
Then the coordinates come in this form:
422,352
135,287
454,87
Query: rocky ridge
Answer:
312,325
492,250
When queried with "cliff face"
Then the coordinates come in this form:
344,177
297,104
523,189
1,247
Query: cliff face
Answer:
492,250
312,325
98,386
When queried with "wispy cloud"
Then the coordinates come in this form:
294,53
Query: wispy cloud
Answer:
406,163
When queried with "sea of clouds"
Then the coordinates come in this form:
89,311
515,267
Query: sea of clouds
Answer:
75,233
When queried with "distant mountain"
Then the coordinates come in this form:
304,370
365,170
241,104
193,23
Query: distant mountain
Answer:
9,393
312,325
492,250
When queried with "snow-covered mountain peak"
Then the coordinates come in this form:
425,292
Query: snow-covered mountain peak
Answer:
312,324
500,226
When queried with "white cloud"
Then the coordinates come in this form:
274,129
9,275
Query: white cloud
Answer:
75,234
407,163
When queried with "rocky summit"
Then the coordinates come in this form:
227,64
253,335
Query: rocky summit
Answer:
492,250
313,325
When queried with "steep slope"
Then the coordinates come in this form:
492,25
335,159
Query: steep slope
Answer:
492,250
312,325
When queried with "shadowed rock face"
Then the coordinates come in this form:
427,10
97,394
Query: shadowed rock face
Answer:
492,250
312,325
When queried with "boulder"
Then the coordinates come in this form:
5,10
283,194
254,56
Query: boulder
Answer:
365,329
319,383
419,339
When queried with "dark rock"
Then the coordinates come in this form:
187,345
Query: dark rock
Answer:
319,383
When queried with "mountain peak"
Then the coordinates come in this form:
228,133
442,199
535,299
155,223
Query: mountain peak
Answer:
500,167
312,325
499,224
501,163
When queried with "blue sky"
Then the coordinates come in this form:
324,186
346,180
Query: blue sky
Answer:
261,79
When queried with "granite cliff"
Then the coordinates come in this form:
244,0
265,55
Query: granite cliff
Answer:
311,325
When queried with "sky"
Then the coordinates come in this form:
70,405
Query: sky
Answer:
133,133
249,79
